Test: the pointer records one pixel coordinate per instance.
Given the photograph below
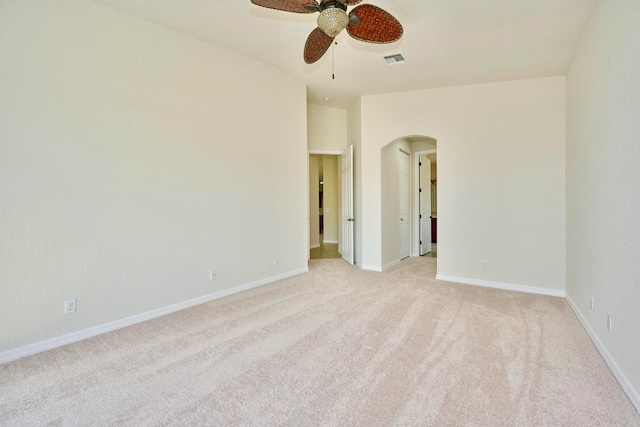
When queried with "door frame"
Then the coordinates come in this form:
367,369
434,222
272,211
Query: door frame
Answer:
346,232
309,153
415,212
409,202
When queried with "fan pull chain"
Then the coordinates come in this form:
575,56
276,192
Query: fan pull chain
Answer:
333,61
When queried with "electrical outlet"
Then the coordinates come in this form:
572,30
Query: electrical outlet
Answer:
213,275
593,301
484,264
69,306
609,322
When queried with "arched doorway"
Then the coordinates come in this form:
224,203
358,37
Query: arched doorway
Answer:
401,225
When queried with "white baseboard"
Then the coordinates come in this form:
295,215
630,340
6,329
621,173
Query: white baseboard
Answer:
499,285
391,264
329,241
314,246
28,350
371,267
626,385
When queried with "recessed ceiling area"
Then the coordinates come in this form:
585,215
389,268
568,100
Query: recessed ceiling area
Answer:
445,42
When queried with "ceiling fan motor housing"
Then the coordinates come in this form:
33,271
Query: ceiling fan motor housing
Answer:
331,4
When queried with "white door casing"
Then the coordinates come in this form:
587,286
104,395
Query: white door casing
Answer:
425,204
347,227
404,203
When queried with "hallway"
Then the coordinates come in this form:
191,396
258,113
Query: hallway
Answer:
325,251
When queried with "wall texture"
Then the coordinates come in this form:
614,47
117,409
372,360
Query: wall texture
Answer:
134,160
327,128
603,177
501,156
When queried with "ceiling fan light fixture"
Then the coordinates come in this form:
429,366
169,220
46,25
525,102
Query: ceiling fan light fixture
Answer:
332,21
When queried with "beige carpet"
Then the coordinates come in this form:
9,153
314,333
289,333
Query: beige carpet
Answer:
334,347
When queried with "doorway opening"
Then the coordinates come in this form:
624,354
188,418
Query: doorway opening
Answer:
331,214
324,206
427,203
409,199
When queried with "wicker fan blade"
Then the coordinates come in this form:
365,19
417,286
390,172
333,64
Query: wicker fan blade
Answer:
296,6
352,2
317,44
376,26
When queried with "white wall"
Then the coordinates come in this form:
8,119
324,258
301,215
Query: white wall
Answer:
132,161
501,154
327,128
603,178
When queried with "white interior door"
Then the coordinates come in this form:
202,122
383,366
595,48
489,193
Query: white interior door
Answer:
425,204
404,223
347,218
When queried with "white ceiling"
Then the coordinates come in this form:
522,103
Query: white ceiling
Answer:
445,42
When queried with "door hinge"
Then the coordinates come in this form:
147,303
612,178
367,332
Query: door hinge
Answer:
420,215
420,241
421,190
419,163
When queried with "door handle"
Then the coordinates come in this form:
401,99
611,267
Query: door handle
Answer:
351,219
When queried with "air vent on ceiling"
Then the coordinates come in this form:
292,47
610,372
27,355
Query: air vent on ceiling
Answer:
394,59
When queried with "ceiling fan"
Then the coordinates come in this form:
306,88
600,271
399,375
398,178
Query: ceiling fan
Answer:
366,23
